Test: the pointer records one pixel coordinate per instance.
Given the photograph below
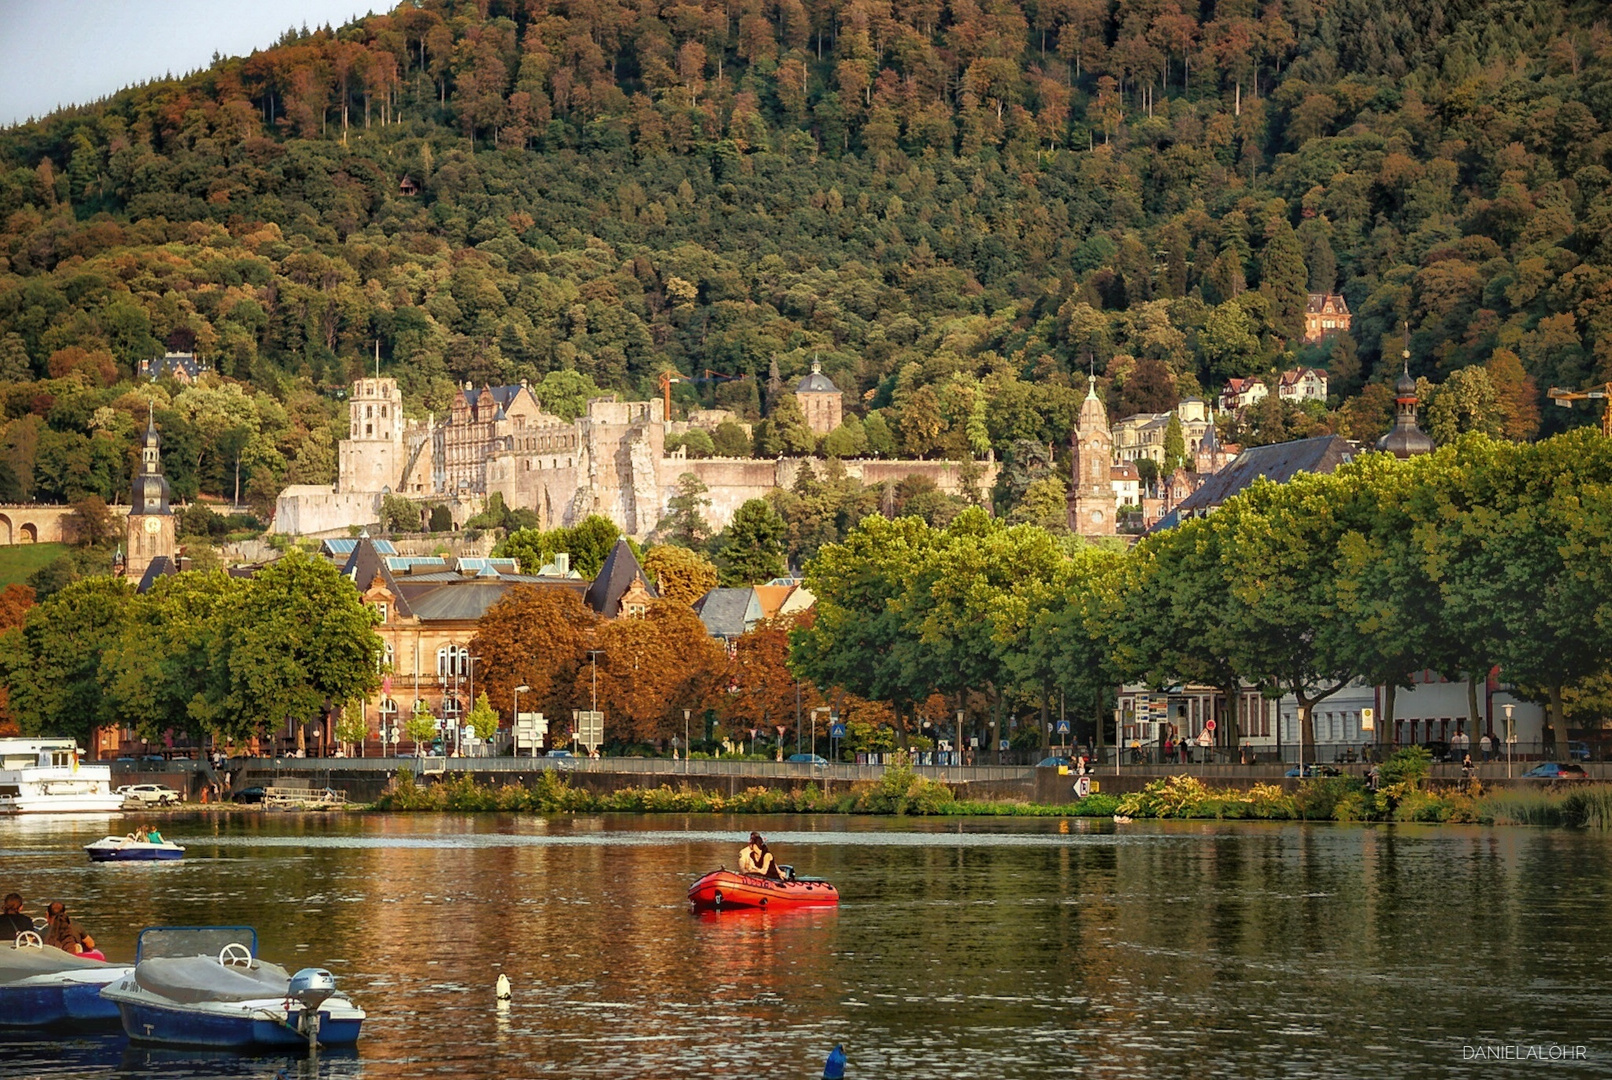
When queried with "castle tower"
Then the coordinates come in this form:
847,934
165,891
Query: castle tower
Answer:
1093,506
371,457
151,522
820,401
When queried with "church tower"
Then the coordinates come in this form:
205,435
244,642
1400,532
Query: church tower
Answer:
1093,506
151,522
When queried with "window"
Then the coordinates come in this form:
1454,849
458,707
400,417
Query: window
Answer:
453,660
369,411
452,708
388,712
380,610
388,658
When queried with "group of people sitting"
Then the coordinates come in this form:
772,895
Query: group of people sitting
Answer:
754,858
145,835
59,931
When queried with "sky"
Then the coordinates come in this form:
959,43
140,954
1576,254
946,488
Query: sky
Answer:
68,52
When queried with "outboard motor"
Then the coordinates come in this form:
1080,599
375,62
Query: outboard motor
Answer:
309,988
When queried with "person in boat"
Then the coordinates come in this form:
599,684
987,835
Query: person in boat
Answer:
12,919
63,932
754,858
153,836
138,836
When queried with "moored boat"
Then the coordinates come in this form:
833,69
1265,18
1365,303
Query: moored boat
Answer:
183,992
48,776
122,849
725,889
42,986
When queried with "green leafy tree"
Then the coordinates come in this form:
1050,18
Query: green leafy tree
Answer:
483,719
420,727
299,639
53,661
750,550
685,522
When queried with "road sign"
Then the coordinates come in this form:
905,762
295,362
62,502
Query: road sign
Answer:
530,729
1063,727
1368,719
1083,787
836,731
590,728
1209,725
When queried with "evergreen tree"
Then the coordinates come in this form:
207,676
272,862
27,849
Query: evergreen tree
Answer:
1283,280
750,550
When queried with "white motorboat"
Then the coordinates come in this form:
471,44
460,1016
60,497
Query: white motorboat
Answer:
47,776
125,849
205,986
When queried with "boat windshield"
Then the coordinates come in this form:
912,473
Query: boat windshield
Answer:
192,940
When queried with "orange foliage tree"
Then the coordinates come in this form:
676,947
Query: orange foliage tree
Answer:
760,690
650,670
15,600
536,637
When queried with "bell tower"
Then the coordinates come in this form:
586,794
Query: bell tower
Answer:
1092,506
151,522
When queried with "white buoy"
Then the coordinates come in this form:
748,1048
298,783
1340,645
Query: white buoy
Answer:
502,991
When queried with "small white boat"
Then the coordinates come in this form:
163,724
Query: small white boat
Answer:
123,849
45,987
228,998
47,776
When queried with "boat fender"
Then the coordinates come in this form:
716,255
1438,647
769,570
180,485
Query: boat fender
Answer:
501,991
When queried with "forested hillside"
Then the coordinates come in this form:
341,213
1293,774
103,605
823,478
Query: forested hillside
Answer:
958,208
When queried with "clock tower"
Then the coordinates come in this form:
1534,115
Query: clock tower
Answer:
151,522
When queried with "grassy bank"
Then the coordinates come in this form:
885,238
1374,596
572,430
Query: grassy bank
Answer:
900,791
17,561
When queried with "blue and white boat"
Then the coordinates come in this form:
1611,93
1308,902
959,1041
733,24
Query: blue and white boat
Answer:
46,987
205,986
124,849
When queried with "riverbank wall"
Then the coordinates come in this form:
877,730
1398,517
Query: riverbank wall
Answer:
362,780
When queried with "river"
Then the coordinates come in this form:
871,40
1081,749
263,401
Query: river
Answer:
985,948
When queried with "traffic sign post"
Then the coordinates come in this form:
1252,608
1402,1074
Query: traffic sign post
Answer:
590,729
530,729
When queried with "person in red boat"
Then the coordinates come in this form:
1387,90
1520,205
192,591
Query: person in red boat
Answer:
754,858
64,933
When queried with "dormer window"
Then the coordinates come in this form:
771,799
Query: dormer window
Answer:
381,609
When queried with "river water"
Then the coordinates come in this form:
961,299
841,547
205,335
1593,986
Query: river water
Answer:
988,948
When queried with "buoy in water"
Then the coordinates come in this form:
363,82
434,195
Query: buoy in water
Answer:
834,1067
501,989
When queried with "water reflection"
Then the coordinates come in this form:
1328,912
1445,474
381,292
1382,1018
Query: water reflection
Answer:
993,948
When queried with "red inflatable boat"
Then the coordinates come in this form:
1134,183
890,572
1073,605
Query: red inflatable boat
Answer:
729,889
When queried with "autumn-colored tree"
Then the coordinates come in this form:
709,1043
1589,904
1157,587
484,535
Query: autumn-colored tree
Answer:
681,575
761,691
648,671
534,637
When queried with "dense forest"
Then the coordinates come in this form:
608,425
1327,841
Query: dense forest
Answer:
959,209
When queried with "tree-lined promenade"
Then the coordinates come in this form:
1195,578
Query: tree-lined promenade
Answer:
1480,555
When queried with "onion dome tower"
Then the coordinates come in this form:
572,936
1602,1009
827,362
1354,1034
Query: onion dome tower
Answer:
1405,439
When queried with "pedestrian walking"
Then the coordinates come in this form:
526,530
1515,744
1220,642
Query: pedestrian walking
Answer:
1486,746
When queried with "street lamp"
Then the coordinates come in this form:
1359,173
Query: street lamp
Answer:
685,740
515,718
593,655
815,711
1511,736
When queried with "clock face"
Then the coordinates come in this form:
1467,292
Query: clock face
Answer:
153,526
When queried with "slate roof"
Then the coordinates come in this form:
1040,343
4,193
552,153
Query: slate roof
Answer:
816,382
161,566
615,578
365,563
723,611
1279,462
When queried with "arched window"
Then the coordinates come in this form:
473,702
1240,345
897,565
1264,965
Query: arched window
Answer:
453,660
389,659
388,712
452,709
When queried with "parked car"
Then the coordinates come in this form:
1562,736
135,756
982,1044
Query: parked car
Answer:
806,759
1052,762
1313,771
561,753
149,794
1578,751
1551,770
247,795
